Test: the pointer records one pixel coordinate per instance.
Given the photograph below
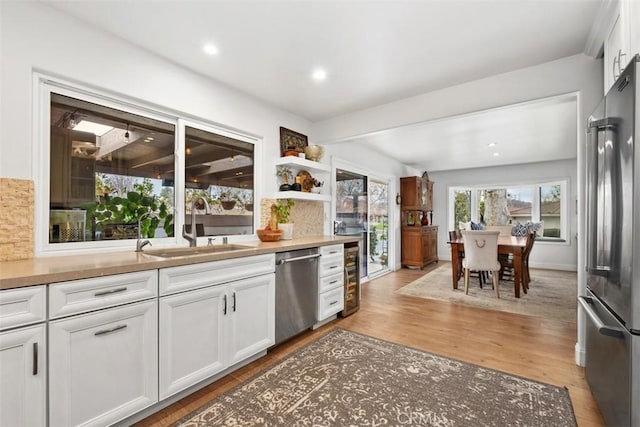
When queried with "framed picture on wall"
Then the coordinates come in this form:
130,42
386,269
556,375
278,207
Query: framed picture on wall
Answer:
292,141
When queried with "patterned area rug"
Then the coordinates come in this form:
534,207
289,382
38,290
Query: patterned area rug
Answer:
552,293
348,379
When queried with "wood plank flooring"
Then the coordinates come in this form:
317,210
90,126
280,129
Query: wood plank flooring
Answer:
531,347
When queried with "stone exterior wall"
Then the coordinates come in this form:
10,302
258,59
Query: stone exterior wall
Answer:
307,217
16,219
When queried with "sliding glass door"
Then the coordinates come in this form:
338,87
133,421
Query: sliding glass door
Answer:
378,258
362,209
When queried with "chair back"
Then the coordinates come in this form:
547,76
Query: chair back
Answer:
531,237
453,236
481,250
505,230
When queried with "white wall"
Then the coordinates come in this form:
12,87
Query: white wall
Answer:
562,256
37,37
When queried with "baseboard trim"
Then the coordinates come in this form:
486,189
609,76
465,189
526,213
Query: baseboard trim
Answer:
580,355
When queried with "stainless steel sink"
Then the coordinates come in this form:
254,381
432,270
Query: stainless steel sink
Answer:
198,250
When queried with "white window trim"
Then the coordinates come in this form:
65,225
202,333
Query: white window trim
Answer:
43,86
535,208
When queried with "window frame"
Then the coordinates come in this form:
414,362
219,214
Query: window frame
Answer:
535,207
44,85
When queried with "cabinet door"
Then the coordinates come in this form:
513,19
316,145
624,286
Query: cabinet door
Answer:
427,253
412,246
192,338
251,316
22,377
103,365
616,47
411,193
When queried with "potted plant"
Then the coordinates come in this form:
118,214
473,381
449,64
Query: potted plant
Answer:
286,174
283,212
227,200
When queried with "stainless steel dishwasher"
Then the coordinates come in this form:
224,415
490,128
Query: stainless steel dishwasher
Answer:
296,292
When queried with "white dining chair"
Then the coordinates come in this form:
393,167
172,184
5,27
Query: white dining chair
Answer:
481,253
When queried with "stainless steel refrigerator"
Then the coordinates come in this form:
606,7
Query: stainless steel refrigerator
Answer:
612,303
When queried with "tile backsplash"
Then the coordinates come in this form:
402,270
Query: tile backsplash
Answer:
307,217
16,219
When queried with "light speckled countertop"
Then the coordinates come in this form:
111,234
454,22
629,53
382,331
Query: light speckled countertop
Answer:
37,271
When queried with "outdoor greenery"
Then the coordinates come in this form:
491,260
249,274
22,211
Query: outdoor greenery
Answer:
123,202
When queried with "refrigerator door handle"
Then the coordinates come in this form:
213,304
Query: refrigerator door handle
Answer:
610,331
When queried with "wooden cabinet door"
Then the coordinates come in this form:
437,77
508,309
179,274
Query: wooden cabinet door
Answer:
251,310
103,366
411,251
411,193
22,377
430,244
192,338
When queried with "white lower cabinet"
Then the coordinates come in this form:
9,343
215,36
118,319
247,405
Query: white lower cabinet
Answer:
103,366
22,377
192,336
252,316
208,329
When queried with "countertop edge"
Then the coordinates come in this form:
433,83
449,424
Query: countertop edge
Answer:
46,270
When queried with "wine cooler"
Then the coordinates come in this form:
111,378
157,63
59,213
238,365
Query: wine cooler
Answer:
351,279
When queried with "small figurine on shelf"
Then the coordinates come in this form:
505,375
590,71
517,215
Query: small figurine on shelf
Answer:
286,174
411,220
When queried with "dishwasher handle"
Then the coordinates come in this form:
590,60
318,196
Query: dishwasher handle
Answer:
299,258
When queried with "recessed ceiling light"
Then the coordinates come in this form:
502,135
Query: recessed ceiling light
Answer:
210,49
496,154
492,144
319,75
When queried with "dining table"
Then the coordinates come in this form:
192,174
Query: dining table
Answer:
510,245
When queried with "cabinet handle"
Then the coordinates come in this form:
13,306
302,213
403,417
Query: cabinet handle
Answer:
332,303
111,291
108,331
234,302
334,266
224,310
333,281
35,358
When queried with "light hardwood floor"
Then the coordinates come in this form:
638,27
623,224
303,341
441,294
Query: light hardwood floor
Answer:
531,347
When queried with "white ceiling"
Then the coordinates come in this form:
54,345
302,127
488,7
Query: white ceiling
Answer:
374,52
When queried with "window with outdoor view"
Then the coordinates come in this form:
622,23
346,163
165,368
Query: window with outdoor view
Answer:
540,205
218,183
111,173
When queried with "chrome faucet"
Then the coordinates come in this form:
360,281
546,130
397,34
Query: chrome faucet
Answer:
142,243
193,236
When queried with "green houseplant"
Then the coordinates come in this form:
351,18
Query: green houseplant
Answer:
283,212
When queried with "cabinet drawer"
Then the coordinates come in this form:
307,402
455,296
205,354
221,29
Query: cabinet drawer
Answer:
194,276
331,250
330,303
79,296
22,306
330,264
329,282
